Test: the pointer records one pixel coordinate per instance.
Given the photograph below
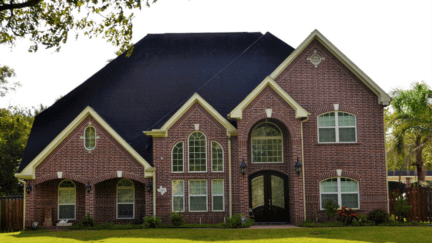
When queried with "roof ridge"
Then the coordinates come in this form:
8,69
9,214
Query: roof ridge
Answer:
213,77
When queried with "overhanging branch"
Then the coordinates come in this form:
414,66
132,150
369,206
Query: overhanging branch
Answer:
29,3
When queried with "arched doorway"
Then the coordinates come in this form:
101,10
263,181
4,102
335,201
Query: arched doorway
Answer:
268,196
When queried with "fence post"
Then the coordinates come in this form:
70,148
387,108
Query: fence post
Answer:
429,203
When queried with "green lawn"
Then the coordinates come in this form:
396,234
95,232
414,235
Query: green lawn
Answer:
348,234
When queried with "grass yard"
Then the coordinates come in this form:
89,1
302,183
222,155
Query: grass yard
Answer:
349,234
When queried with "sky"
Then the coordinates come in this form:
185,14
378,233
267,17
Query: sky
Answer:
391,41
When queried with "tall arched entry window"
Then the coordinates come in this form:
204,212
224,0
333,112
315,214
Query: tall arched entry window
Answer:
66,200
267,144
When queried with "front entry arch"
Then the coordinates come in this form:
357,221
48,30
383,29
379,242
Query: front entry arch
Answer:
268,196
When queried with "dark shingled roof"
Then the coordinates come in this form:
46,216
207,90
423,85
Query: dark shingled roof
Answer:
143,91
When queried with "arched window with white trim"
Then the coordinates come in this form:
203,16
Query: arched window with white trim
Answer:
267,144
90,138
177,158
337,127
217,157
343,191
66,200
125,199
197,152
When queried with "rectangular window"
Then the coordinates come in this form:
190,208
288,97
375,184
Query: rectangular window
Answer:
218,199
178,196
337,127
198,196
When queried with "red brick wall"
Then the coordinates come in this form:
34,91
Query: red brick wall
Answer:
316,90
162,148
96,168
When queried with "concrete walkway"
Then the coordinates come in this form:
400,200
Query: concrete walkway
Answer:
283,226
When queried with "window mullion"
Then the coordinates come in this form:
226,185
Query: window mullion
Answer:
337,126
339,192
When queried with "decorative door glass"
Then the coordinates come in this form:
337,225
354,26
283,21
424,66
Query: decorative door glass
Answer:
257,191
277,191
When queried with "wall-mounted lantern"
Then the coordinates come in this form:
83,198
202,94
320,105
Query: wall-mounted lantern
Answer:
298,166
88,187
243,167
149,187
28,189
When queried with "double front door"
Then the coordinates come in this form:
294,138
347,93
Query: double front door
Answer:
268,196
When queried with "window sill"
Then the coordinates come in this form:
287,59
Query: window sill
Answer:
337,144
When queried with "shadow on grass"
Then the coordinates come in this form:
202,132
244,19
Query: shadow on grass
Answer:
359,234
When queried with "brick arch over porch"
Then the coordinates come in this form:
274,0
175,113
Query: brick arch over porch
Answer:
65,176
348,174
113,175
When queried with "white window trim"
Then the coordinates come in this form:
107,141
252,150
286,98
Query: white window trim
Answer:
172,198
85,138
336,127
223,195
58,204
205,137
223,157
339,193
281,138
189,195
117,203
172,158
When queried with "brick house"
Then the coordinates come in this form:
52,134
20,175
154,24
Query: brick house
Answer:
211,124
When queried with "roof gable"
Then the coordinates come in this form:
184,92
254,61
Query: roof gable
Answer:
196,98
29,171
237,113
383,97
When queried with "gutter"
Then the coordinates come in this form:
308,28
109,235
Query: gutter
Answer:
24,201
303,171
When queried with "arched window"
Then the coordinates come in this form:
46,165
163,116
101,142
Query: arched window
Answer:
267,144
197,152
177,158
90,138
343,191
337,127
217,157
125,199
66,200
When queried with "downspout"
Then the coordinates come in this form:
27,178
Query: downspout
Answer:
400,172
229,175
303,171
154,192
24,201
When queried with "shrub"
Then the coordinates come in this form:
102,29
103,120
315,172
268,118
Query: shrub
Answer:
176,218
234,221
88,221
401,206
151,222
347,215
361,220
330,209
378,216
392,218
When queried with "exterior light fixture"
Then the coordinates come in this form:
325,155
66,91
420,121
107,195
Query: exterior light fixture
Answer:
28,189
298,166
149,187
88,187
243,168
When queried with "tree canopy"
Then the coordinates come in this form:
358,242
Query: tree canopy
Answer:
48,23
5,84
411,127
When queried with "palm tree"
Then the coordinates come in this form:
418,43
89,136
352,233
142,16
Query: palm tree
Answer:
412,121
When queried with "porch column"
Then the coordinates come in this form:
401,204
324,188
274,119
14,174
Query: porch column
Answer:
30,204
90,201
148,199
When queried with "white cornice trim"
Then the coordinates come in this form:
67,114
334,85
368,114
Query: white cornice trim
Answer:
237,113
29,171
383,97
196,98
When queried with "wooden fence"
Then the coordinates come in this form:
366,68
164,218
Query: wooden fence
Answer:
11,214
417,199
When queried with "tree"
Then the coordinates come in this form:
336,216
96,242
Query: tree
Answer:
5,84
15,126
48,23
412,121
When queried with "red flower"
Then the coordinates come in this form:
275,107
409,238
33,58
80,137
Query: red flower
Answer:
344,214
